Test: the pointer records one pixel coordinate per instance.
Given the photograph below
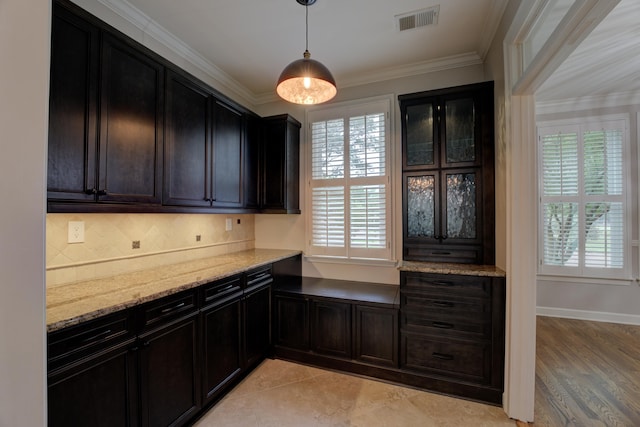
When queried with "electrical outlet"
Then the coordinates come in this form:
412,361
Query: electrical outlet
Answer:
75,232
135,244
229,225
198,237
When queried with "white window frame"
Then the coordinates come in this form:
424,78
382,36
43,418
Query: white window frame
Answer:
346,254
582,272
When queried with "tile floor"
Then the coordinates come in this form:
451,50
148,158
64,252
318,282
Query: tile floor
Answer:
284,394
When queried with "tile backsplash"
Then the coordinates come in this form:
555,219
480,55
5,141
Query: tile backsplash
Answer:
164,238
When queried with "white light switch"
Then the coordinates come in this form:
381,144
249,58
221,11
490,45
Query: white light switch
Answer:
228,225
76,232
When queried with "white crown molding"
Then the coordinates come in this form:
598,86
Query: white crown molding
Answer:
588,103
154,30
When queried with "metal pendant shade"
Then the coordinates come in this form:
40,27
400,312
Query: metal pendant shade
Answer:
306,81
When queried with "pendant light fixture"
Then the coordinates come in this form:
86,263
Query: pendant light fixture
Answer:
306,81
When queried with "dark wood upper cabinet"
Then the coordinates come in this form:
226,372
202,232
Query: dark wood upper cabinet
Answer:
251,175
280,173
131,132
204,148
448,175
188,153
228,141
75,45
131,125
111,152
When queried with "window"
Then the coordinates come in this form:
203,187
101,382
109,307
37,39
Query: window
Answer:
583,199
349,199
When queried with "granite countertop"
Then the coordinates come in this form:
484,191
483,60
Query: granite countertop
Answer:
78,302
452,268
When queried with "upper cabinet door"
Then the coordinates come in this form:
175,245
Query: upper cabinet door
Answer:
73,92
187,170
420,134
131,120
460,144
441,131
228,138
280,174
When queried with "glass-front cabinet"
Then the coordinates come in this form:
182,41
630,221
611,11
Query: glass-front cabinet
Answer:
448,202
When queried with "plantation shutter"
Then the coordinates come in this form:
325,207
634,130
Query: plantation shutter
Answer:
582,200
349,185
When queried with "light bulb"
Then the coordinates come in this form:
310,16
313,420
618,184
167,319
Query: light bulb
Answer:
306,82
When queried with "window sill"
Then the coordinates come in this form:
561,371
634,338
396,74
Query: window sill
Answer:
352,261
577,280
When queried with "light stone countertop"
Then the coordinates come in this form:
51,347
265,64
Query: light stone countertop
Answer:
78,302
452,268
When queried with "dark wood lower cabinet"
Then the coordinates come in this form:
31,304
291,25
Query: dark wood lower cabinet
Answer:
98,391
221,358
291,327
375,335
331,328
164,362
169,373
338,324
257,325
452,333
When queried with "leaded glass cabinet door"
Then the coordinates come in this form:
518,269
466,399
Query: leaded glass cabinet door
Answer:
420,135
461,216
458,128
422,198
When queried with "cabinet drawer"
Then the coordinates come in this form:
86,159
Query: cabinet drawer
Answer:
222,289
169,308
446,325
88,337
468,254
446,284
473,308
463,359
259,277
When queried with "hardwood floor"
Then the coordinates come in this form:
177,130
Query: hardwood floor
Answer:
587,373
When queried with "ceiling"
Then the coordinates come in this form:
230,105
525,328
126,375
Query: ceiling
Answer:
249,43
246,44
606,62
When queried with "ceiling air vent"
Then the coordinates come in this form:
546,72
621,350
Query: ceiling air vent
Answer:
417,19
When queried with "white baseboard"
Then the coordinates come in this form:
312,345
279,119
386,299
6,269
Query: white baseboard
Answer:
597,316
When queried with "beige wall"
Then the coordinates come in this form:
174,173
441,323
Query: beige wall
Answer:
25,28
164,238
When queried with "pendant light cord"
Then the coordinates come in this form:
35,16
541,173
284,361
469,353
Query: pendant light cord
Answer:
306,9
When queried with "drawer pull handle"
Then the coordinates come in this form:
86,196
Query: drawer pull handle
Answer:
442,325
95,337
170,309
260,276
443,304
442,283
226,288
442,356
440,253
